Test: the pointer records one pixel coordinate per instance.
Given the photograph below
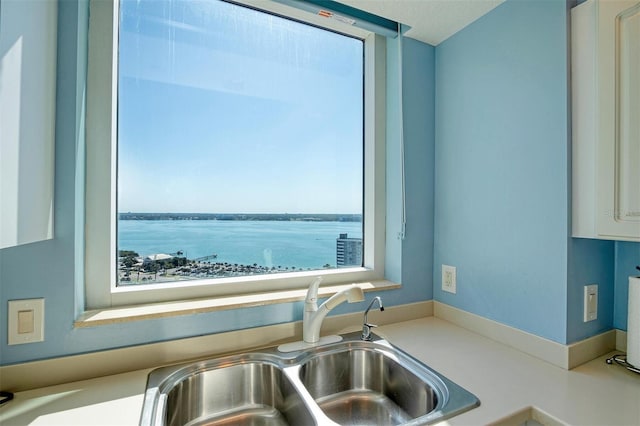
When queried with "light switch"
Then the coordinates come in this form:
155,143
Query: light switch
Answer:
26,321
590,302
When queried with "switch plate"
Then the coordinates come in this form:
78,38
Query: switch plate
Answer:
26,321
449,278
590,302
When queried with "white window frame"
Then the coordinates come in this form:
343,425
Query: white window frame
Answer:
100,186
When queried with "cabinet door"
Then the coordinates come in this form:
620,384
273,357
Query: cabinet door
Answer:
27,120
619,119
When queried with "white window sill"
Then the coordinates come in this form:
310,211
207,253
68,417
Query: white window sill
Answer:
188,307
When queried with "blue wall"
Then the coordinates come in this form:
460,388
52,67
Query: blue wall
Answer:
419,134
503,180
418,100
48,269
590,262
502,190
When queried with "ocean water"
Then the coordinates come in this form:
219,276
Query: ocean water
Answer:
265,243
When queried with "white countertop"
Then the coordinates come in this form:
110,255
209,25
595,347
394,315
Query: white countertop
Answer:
504,379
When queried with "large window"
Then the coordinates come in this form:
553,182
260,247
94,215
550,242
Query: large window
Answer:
229,150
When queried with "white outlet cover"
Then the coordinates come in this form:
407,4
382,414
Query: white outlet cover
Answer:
449,279
17,306
590,307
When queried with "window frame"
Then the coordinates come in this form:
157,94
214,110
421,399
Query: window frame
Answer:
101,290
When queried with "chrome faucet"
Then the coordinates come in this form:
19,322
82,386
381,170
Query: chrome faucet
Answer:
366,327
313,315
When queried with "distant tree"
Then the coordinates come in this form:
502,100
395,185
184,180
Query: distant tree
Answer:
129,261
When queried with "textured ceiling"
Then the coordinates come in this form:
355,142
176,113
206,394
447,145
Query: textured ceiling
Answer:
431,21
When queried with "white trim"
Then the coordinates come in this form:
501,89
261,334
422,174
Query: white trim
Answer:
100,212
190,307
523,417
590,348
375,154
550,351
621,340
100,201
563,356
37,374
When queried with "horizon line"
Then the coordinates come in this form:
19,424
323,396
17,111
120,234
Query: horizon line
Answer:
242,213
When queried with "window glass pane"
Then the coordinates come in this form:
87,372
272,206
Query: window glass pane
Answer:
240,143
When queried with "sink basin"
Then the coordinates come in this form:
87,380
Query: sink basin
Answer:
256,393
345,383
251,390
365,386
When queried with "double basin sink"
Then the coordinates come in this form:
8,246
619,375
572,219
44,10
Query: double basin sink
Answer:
352,382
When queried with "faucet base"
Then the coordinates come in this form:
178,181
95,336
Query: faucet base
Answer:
300,345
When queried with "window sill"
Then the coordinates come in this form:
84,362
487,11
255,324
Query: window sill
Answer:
189,307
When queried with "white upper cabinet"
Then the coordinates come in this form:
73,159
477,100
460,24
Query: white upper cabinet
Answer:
606,119
27,120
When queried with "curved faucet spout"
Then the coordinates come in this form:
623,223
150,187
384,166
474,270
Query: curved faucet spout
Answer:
366,327
375,299
312,321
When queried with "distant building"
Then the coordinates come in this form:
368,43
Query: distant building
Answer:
156,257
348,251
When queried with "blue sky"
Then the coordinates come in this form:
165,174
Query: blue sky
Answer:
225,109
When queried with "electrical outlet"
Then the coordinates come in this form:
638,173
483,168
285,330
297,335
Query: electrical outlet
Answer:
449,278
590,302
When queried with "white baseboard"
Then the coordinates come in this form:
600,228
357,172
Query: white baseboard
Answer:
621,341
526,415
591,348
564,356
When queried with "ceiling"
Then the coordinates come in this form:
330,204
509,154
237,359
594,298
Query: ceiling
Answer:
431,21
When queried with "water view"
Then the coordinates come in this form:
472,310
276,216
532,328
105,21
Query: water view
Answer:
169,250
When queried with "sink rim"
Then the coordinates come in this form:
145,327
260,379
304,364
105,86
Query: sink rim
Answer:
161,380
165,378
423,373
452,398
253,387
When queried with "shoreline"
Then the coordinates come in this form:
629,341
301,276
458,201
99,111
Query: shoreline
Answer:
196,270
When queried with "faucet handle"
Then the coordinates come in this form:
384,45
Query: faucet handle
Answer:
312,295
366,331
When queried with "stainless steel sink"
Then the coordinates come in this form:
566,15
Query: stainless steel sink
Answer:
351,383
255,393
250,389
369,386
